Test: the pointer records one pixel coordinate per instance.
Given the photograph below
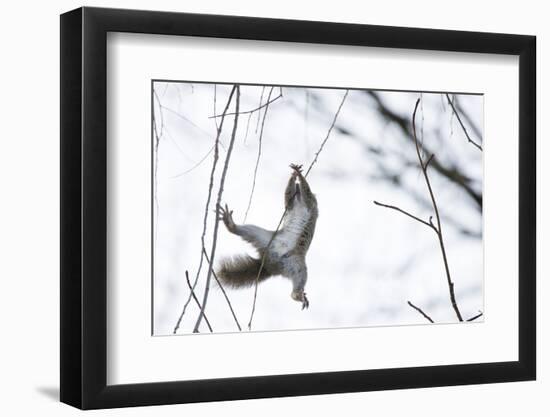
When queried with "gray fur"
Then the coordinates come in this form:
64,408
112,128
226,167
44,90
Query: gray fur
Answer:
286,254
241,271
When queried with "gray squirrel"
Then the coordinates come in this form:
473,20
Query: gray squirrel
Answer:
285,252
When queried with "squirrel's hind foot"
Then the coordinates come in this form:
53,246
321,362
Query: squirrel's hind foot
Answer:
301,296
305,302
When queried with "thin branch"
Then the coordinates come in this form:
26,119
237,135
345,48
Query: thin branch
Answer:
182,117
196,299
187,171
467,118
452,173
206,209
420,311
266,104
217,221
429,224
156,160
258,157
306,121
262,264
422,122
436,210
328,133
258,119
247,128
476,316
437,228
215,106
200,129
395,177
224,293
387,175
462,124
428,161
161,115
166,85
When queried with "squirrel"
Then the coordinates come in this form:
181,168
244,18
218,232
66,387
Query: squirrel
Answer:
284,250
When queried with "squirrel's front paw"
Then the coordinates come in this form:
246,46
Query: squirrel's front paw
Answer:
226,216
297,168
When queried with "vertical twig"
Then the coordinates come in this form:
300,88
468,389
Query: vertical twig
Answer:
306,121
262,264
424,168
217,220
462,124
205,218
156,160
215,104
247,127
224,294
261,99
328,133
437,228
196,299
258,157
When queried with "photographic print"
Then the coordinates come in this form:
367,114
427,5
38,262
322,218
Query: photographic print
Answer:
292,208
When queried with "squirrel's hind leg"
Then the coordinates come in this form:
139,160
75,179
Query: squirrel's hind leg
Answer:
296,270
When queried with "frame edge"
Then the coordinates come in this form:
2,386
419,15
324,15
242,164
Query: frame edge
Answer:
70,212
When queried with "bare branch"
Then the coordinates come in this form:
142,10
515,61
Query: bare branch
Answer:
467,118
206,209
328,133
266,104
156,163
436,210
437,228
452,173
187,171
182,117
420,311
476,316
196,299
428,161
224,293
217,221
247,128
429,224
462,124
259,155
285,211
215,102
258,119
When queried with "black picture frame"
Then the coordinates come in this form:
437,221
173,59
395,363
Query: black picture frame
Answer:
84,207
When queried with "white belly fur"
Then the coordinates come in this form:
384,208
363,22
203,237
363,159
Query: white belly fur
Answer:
293,226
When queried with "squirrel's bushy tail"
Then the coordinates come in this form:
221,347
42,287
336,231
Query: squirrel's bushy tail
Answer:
241,271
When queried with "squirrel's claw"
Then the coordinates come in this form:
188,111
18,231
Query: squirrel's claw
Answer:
297,168
299,295
226,216
305,302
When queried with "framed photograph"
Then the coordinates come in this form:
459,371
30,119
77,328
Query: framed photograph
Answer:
256,208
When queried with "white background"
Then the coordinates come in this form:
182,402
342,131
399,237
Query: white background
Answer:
29,228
